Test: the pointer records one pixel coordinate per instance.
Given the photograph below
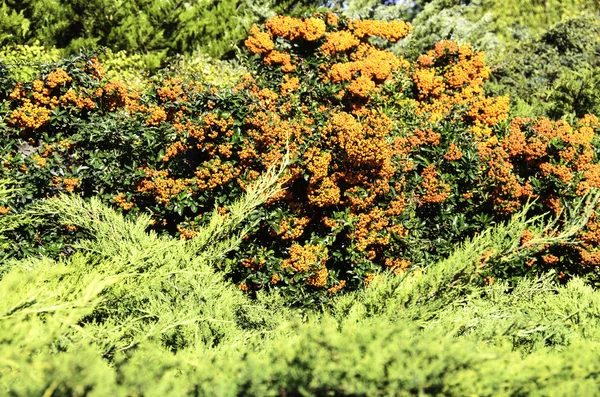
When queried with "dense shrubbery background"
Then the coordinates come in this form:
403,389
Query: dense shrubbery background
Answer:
399,143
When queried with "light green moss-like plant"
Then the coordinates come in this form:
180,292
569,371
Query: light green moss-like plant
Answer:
26,61
206,70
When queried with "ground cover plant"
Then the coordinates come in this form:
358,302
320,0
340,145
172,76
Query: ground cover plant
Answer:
214,219
92,323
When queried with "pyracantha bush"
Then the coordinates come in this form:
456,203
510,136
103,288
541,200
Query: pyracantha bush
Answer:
393,161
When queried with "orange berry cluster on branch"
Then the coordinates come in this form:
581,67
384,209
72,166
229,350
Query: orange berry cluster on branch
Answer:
161,186
69,184
309,259
531,145
451,76
310,29
369,64
435,191
37,102
122,202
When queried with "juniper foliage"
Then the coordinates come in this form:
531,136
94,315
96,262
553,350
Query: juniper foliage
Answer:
131,313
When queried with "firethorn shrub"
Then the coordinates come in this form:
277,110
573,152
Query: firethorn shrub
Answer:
394,161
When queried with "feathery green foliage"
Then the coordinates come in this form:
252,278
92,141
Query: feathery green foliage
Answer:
151,28
135,314
27,60
127,286
556,74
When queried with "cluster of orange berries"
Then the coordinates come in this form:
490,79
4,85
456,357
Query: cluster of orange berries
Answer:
173,150
186,234
337,288
79,100
259,42
36,108
289,85
397,265
157,116
57,78
40,161
30,115
428,83
275,279
309,259
121,200
116,95
389,30
310,29
172,91
368,65
292,230
453,153
318,279
161,186
213,173
435,191
339,42
450,77
531,141
253,263
371,230
324,193
69,184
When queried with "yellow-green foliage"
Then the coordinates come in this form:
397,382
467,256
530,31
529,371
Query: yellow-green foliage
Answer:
25,61
135,314
123,66
133,69
125,287
205,70
8,221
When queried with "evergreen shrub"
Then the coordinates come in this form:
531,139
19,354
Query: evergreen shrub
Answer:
151,29
133,314
556,74
393,162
